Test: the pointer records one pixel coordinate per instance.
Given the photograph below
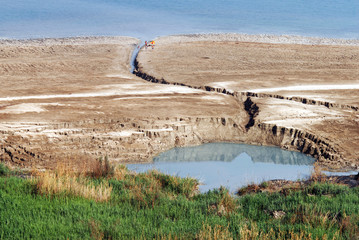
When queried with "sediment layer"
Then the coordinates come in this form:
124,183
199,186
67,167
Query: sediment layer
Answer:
291,122
122,140
81,102
105,110
273,135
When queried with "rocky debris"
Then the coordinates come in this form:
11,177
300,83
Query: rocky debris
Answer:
351,180
12,151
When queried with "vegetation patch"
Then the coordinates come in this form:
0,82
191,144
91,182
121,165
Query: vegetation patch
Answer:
64,183
4,170
124,205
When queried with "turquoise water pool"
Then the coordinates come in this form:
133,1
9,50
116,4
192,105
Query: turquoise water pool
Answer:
230,165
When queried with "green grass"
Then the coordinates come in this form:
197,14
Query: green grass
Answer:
157,206
4,170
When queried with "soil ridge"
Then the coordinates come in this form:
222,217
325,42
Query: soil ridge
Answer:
327,154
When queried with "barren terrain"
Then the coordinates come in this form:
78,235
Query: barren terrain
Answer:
303,89
75,99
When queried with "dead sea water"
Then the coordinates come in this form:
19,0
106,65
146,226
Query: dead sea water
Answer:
149,19
230,165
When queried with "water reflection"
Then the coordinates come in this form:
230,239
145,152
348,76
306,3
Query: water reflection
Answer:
227,152
230,165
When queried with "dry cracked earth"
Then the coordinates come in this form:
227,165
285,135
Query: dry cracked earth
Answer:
75,99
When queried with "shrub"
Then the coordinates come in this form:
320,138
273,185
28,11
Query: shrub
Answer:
264,185
252,188
4,170
102,168
227,203
317,175
186,186
120,172
326,189
67,183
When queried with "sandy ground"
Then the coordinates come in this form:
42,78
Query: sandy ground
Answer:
254,67
75,99
298,83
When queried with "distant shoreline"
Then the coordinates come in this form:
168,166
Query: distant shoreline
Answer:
227,37
69,40
260,38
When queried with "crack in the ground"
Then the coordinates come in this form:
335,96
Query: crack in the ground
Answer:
301,141
303,100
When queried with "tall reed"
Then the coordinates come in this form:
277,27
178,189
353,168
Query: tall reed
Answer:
66,182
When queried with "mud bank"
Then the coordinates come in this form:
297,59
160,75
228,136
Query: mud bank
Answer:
311,126
105,110
122,140
272,135
80,103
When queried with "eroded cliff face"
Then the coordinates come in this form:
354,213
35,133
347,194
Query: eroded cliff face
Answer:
256,131
287,138
298,97
80,102
122,140
303,100
298,140
139,140
105,110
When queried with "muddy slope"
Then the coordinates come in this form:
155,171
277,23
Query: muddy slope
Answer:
74,100
317,122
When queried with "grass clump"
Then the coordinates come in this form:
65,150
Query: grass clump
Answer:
68,205
317,174
149,189
4,170
216,233
64,182
101,168
326,189
251,188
